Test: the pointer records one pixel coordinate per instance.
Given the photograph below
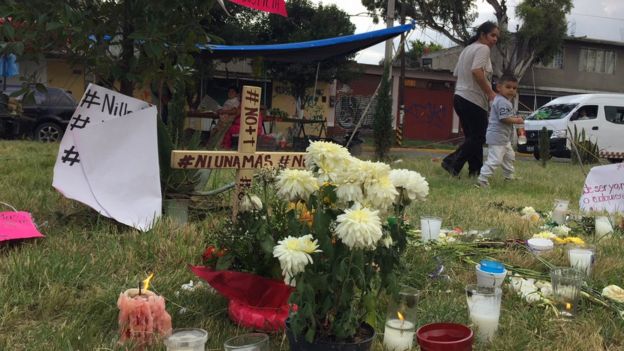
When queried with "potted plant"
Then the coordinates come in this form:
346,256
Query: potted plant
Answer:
347,251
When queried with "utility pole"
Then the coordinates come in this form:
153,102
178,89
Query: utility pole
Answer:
389,24
399,130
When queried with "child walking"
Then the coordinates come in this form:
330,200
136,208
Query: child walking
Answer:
500,130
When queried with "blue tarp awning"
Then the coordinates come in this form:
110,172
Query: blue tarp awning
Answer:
315,50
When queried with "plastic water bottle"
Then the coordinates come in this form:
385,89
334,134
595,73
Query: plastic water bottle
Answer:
522,139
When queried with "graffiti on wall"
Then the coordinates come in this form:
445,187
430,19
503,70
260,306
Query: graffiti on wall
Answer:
429,114
349,110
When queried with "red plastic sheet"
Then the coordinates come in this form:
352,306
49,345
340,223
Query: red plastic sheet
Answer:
255,302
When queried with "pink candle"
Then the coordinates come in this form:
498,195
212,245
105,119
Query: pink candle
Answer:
142,317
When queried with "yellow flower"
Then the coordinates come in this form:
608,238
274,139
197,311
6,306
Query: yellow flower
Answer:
560,241
546,235
575,240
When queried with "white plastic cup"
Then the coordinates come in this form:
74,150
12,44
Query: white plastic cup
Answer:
248,342
487,279
430,228
191,339
540,245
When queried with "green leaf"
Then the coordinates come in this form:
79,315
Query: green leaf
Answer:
268,244
224,262
310,334
50,26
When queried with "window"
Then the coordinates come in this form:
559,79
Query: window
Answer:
614,114
585,113
551,112
597,61
555,63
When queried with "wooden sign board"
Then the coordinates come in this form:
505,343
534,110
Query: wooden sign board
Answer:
246,159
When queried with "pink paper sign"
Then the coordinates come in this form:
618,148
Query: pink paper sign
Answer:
17,225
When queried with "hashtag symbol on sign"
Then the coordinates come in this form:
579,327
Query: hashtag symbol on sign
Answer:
252,96
186,161
78,119
70,156
284,161
245,182
90,99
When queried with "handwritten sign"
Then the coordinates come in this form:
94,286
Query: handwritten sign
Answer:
272,6
604,189
108,158
97,105
246,159
17,225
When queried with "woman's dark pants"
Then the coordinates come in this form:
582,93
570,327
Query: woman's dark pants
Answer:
474,121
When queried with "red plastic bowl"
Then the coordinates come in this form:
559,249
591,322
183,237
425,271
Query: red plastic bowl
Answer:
444,337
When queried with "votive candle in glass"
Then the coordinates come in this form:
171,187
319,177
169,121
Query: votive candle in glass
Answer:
401,321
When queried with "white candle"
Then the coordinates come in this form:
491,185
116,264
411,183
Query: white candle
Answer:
581,259
399,335
484,313
603,227
487,324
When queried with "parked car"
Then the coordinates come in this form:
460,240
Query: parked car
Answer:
44,120
601,116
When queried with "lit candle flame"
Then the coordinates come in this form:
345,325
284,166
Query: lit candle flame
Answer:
147,280
568,306
400,316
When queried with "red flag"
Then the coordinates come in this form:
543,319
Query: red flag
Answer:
273,6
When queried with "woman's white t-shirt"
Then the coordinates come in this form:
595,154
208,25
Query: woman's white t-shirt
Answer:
475,55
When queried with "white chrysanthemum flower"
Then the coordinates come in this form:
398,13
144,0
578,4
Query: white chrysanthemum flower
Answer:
561,230
293,254
527,210
349,191
327,157
381,194
387,241
614,293
371,172
545,288
296,184
250,203
359,228
412,182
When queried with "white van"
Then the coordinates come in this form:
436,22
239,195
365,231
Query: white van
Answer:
600,115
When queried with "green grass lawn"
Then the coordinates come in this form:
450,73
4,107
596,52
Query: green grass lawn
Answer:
60,292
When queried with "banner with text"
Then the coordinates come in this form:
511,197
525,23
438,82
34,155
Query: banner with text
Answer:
604,189
272,6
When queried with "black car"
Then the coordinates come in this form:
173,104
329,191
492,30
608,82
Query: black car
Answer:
45,119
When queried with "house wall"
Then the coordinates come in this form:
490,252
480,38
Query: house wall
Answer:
571,80
62,75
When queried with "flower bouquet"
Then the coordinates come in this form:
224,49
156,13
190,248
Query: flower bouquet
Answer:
346,234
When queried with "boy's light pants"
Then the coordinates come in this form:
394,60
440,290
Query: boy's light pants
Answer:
498,155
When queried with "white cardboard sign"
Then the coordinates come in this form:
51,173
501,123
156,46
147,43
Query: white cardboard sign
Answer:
604,189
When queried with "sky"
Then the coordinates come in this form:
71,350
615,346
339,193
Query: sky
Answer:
596,19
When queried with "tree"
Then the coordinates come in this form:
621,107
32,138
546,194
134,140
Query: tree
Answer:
305,22
538,38
124,43
418,48
382,118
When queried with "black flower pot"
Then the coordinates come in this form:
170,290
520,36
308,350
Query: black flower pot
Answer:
299,343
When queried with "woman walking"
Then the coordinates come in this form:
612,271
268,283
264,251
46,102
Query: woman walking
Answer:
473,93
